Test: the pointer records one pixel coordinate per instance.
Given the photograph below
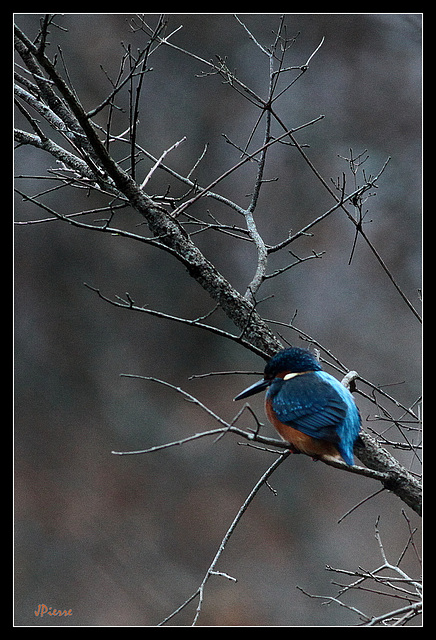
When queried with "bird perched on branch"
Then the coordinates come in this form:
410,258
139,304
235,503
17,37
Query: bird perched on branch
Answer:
309,408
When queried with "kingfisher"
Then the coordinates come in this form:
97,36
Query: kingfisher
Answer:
309,408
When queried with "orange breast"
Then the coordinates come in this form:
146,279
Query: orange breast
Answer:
302,442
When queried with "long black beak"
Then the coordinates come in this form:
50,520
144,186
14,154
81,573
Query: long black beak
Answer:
255,388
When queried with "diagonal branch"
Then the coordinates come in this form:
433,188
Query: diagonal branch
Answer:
129,304
211,570
161,223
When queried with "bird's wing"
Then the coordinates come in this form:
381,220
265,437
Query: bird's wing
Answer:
312,405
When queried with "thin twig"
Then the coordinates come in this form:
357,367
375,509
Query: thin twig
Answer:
158,162
211,570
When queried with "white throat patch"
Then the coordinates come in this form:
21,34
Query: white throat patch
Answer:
288,376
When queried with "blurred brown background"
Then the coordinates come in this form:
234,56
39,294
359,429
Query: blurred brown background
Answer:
125,540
